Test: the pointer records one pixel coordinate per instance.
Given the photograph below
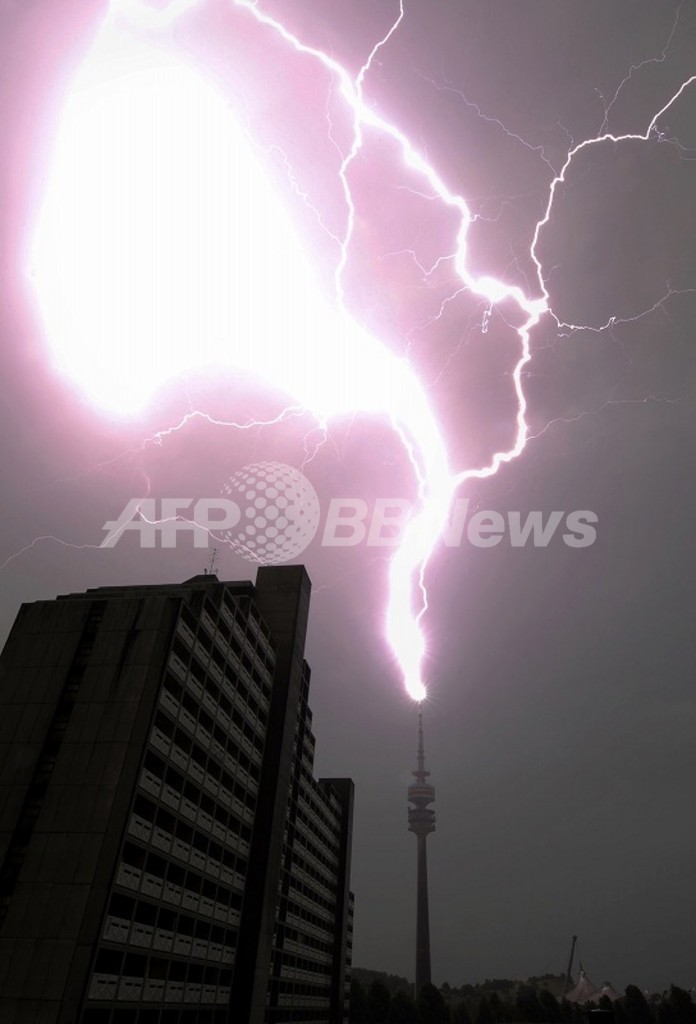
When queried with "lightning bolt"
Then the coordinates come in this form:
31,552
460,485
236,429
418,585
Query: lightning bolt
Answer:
405,403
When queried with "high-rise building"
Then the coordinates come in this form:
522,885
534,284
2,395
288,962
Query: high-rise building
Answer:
421,820
166,854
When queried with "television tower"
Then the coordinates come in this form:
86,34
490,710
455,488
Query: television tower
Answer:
421,820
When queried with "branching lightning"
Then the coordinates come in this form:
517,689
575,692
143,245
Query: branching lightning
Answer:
358,374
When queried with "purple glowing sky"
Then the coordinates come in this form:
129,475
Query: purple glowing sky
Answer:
544,650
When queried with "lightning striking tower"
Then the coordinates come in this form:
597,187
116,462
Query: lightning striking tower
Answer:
421,821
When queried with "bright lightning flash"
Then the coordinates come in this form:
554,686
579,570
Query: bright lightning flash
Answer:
162,246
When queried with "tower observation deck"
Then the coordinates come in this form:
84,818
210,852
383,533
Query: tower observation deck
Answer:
421,821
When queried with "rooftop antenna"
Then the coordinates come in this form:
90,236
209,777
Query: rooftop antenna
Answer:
210,571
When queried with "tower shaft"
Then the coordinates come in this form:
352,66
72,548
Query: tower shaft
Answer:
422,919
421,821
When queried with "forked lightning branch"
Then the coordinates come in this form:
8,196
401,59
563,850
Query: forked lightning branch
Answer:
128,181
270,513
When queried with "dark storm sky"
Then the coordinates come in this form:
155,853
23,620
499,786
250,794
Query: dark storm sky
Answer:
562,713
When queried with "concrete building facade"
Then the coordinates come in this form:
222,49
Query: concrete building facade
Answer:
166,854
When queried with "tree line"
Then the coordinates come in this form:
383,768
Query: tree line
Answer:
511,1003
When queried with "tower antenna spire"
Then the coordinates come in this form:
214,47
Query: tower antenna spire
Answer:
421,751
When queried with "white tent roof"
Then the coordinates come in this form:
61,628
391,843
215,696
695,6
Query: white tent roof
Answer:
587,992
584,991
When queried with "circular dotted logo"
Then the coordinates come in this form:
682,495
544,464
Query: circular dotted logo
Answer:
280,512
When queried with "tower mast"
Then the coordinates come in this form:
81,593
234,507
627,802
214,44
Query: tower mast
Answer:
421,821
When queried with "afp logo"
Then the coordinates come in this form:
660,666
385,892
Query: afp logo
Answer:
268,512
